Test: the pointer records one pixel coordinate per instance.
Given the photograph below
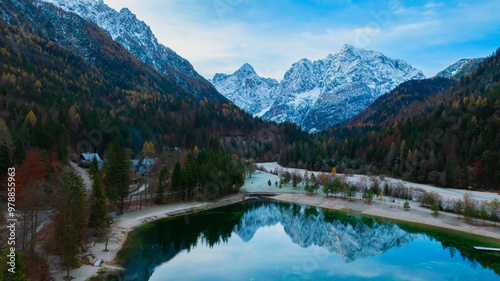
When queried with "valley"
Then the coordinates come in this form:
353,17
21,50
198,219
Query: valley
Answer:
285,137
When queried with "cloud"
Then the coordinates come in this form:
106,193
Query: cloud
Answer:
416,26
221,35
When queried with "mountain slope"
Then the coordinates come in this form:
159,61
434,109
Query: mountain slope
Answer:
137,38
246,89
317,95
115,96
460,68
408,100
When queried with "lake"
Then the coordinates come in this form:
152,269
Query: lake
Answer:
270,240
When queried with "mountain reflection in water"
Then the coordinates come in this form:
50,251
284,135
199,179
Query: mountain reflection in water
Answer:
258,237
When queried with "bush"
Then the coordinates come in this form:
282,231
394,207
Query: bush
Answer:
435,208
406,206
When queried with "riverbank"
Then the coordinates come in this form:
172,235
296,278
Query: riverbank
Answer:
395,210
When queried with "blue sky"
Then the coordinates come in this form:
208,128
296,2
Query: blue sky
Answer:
221,35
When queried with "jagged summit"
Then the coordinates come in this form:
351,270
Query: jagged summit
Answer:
317,95
246,89
245,69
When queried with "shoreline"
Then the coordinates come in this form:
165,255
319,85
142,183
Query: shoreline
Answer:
383,209
123,225
395,211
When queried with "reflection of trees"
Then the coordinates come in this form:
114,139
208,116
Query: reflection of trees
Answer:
160,241
462,243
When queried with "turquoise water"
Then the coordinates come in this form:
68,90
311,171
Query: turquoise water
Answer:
268,240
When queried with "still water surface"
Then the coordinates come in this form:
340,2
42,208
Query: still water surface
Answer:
268,240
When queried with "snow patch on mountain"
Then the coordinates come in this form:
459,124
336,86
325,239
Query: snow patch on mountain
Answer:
453,69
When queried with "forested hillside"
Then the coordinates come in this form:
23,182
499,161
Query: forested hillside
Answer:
447,138
408,100
56,100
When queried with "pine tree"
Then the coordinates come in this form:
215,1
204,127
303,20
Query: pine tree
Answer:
70,220
117,170
406,206
98,209
177,179
94,167
162,185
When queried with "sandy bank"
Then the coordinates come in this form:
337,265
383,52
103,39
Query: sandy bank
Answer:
395,210
126,223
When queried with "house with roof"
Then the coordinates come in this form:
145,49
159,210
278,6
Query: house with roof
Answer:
146,165
87,158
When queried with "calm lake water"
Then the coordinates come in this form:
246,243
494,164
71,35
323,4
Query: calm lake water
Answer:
268,240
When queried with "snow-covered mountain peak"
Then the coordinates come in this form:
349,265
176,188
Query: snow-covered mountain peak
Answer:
246,89
348,50
245,69
317,95
126,11
453,69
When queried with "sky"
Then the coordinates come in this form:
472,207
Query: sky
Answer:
219,36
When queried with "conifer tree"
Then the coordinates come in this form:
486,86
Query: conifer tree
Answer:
162,185
70,220
117,174
177,179
98,209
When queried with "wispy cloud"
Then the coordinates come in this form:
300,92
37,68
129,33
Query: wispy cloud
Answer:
221,35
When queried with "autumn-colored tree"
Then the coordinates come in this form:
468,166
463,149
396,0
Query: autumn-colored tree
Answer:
148,149
334,171
31,177
30,119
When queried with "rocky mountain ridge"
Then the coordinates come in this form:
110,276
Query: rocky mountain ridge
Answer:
320,94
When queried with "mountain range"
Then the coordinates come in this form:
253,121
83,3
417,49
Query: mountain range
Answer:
317,95
314,95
